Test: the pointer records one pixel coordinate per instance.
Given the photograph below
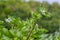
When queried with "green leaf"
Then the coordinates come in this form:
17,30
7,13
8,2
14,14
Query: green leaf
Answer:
6,32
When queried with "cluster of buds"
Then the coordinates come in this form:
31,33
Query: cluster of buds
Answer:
8,20
43,12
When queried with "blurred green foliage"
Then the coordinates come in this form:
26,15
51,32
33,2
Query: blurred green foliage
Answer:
22,9
24,15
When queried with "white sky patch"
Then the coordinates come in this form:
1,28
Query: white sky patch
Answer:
49,1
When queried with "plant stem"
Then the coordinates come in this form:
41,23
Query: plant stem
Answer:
30,32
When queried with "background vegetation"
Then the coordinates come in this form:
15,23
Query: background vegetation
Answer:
20,13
